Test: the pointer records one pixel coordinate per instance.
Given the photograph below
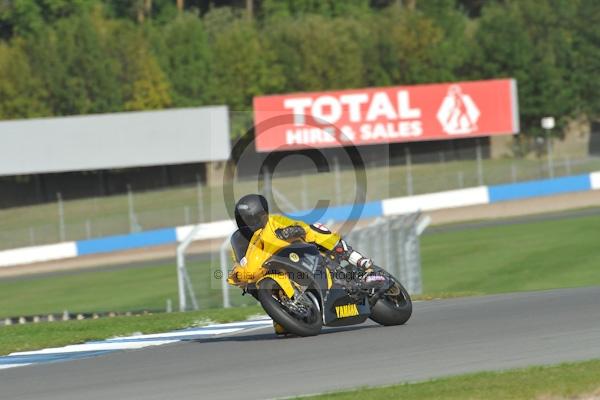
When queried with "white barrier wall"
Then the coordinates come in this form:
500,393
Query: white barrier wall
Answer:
29,255
210,230
119,140
595,180
436,201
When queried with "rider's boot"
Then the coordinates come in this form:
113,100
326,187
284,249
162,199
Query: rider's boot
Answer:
279,329
368,278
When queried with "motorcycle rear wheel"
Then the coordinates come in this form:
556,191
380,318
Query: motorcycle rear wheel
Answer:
278,306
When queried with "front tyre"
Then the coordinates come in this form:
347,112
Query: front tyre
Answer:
394,307
301,317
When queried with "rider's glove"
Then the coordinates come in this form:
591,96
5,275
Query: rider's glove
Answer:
365,263
355,258
352,256
290,232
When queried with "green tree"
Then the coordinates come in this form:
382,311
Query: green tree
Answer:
53,10
409,45
20,17
586,56
454,50
21,93
150,89
24,17
185,57
142,10
144,84
72,61
243,65
85,56
530,41
328,8
317,53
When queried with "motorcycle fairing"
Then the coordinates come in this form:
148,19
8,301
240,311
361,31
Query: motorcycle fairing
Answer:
338,297
309,271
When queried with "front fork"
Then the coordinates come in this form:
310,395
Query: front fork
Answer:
379,293
356,287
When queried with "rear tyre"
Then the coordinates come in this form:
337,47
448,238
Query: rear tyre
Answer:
302,318
394,307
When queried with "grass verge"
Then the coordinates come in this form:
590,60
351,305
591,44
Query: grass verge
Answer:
55,334
114,289
517,257
563,381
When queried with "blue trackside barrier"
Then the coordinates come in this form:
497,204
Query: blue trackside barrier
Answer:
126,242
546,187
340,213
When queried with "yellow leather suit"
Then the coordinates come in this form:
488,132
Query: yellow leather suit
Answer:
264,243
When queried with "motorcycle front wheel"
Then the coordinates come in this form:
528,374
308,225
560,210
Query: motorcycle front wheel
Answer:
394,307
301,316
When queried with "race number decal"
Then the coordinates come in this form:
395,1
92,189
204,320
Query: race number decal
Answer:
319,228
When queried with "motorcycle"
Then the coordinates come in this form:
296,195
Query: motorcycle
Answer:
303,288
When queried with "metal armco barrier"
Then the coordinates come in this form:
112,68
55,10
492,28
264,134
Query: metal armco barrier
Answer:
393,244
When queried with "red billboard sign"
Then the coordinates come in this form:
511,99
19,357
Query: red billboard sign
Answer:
386,115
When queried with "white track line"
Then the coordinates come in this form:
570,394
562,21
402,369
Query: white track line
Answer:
77,348
129,342
141,341
7,366
198,332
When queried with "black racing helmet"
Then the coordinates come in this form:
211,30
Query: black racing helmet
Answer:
252,211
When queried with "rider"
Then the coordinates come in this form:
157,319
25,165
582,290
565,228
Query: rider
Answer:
267,233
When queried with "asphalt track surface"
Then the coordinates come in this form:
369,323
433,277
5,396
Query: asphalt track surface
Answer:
444,337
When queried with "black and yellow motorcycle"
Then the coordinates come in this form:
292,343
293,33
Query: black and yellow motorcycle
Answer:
303,288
